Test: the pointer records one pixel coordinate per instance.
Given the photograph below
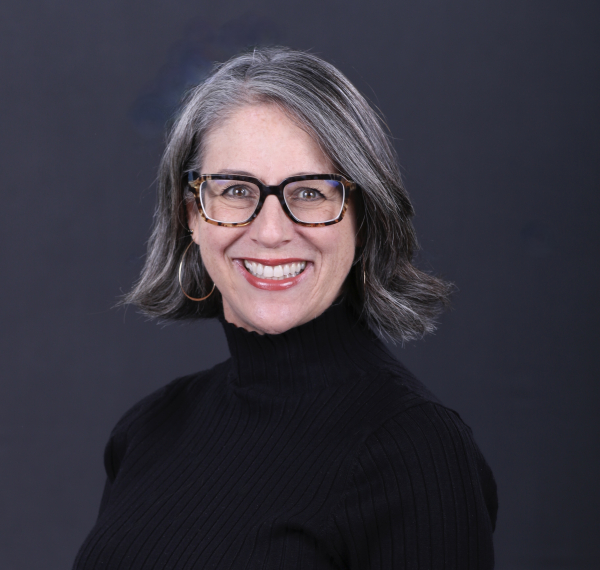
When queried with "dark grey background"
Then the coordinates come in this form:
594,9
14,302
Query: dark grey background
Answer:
494,106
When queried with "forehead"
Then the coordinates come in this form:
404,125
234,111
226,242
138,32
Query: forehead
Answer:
262,140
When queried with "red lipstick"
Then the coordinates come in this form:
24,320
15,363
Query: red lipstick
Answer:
272,284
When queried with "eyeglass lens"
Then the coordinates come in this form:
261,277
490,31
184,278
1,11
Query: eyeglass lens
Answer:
310,201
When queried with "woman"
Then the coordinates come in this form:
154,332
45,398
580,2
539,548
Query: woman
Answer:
281,211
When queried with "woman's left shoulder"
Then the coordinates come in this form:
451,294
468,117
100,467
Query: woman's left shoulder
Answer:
410,435
420,491
428,448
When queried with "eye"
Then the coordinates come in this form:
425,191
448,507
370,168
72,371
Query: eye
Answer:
237,191
308,194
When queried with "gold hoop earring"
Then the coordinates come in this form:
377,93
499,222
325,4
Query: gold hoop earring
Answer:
180,284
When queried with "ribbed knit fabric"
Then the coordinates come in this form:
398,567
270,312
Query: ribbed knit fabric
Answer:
313,449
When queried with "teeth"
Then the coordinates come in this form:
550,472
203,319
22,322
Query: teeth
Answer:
275,271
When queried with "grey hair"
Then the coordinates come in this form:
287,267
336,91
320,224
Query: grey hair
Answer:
390,294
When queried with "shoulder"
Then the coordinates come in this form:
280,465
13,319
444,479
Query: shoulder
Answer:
419,490
426,455
426,437
444,447
410,436
154,410
389,392
165,398
406,410
412,423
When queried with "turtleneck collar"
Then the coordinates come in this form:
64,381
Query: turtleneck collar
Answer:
329,350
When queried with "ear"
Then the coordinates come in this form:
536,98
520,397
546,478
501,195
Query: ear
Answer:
193,219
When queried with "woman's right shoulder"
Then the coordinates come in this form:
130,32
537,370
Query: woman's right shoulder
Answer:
170,396
160,408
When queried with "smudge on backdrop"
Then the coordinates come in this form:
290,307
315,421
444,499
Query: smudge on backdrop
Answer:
189,61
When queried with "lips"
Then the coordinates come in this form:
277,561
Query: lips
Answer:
273,274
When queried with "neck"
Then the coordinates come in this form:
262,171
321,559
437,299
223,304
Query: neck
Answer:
329,350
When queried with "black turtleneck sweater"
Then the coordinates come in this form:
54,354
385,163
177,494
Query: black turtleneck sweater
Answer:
312,449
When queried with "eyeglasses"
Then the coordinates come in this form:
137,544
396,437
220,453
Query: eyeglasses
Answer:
232,200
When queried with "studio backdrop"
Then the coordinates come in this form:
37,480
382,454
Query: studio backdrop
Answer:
493,107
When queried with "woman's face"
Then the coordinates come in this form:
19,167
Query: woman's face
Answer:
261,141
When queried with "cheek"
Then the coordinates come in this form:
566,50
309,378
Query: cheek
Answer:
346,253
337,245
210,244
347,247
214,242
348,240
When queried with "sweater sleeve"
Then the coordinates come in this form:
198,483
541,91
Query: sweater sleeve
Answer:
420,496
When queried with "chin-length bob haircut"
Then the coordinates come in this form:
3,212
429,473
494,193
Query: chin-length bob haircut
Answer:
393,297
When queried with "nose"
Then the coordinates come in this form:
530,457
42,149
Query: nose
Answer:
271,228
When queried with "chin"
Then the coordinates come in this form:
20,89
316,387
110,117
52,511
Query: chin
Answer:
271,319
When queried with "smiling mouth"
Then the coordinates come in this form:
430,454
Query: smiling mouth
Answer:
274,272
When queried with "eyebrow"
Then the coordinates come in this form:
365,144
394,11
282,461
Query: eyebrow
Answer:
245,173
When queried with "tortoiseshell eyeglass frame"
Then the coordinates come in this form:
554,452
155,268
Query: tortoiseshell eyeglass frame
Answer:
195,180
